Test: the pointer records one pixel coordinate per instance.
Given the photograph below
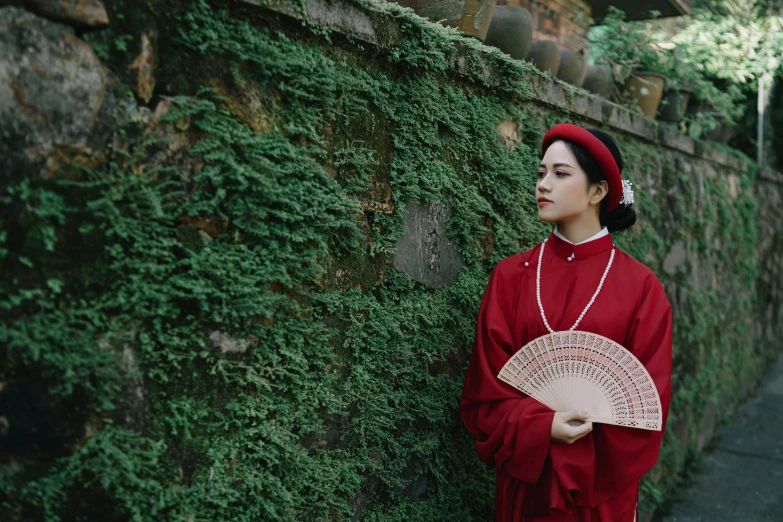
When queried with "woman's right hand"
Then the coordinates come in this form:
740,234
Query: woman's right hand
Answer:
570,426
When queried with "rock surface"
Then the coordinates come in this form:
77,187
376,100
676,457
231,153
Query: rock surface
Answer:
145,66
84,14
56,100
424,252
228,344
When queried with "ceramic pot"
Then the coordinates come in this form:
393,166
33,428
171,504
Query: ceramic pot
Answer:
599,80
511,31
573,67
472,17
646,89
674,104
545,55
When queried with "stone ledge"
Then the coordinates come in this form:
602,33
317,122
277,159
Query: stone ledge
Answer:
341,16
378,23
673,139
772,176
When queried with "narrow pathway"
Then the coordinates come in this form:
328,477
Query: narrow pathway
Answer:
742,480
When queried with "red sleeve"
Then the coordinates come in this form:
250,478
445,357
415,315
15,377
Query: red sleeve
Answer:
512,430
625,455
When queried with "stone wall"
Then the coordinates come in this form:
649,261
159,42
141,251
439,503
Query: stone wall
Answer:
244,243
767,193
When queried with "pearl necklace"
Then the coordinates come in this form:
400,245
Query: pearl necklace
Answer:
538,288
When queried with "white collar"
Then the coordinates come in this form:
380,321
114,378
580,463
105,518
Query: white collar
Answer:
604,231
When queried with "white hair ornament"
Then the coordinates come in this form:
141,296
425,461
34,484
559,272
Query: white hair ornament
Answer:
627,198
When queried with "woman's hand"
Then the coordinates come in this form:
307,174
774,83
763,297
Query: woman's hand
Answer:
570,426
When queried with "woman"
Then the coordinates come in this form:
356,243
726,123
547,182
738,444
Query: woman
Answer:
558,467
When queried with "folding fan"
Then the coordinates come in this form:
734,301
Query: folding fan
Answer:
578,370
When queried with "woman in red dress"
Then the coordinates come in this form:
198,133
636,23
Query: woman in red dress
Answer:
558,466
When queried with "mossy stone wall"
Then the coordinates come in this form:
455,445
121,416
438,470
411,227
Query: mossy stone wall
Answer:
209,317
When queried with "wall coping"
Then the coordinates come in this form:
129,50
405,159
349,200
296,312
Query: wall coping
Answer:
379,23
770,175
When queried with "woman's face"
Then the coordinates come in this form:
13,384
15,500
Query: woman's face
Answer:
563,193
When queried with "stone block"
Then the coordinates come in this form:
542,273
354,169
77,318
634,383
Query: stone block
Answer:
479,64
734,185
631,122
343,17
145,66
767,174
229,344
585,105
424,252
546,90
135,407
712,153
84,14
675,258
510,136
709,171
674,139
56,101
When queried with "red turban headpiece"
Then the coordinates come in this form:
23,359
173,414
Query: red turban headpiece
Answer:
596,148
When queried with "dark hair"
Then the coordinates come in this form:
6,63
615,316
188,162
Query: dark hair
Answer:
623,216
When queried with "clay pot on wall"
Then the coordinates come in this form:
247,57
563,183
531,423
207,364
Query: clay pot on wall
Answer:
511,31
599,79
573,66
545,55
674,104
472,17
646,89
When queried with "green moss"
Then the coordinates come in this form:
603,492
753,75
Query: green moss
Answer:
343,401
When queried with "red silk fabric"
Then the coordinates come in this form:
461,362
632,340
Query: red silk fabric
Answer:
596,478
596,148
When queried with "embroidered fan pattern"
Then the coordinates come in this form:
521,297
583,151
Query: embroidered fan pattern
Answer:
577,370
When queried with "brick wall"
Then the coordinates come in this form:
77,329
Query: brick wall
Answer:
564,21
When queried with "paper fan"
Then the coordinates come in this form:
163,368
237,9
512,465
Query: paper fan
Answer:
577,370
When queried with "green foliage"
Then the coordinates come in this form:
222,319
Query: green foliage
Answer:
327,402
130,471
740,45
708,57
629,45
732,48
712,105
755,8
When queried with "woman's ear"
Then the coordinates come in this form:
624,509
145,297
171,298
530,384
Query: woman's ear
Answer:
598,192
